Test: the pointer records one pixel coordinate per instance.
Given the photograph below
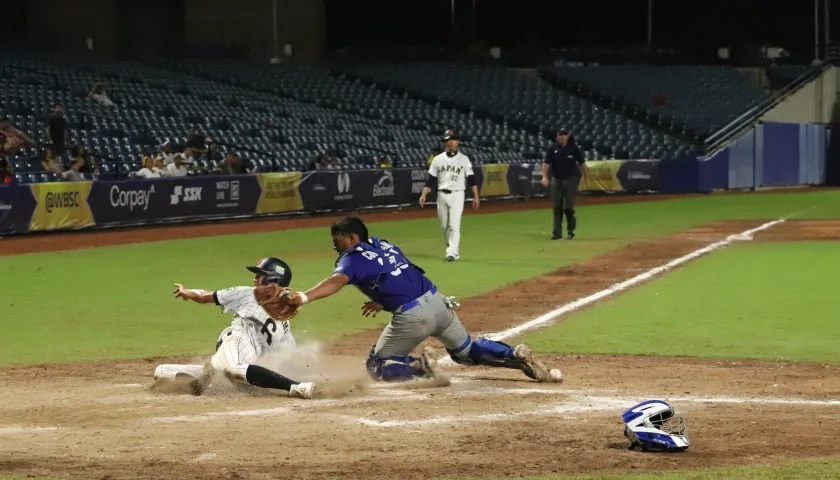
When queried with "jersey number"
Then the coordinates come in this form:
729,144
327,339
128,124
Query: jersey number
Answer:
269,332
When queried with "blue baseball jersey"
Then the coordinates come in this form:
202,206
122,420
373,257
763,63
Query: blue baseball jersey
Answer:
383,273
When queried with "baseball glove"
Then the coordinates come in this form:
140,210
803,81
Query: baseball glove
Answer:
277,301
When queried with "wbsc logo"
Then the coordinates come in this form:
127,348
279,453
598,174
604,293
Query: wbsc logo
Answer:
384,187
181,194
61,200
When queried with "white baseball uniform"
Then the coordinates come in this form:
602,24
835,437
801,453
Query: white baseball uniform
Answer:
251,334
451,172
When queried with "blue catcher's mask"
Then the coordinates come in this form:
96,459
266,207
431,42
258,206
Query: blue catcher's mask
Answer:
653,426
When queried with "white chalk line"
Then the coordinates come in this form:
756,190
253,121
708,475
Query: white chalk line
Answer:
17,429
553,315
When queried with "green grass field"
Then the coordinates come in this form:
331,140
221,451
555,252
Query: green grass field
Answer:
122,293
752,300
770,301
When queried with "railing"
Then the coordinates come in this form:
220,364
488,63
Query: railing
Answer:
748,118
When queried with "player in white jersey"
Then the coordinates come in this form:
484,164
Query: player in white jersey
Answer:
450,173
251,334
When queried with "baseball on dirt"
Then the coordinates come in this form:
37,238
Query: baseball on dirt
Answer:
556,375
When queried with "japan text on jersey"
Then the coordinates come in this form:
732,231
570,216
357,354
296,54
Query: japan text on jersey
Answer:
383,273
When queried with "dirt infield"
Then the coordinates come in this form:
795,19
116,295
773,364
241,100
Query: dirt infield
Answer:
99,420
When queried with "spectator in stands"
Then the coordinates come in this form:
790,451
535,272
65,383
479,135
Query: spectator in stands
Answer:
235,165
190,156
12,139
149,169
176,168
213,152
385,162
56,128
167,156
73,174
99,94
51,163
196,141
87,165
315,162
7,173
328,163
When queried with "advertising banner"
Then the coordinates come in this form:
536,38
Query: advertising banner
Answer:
142,201
602,176
321,191
17,205
494,182
524,180
61,205
279,193
639,175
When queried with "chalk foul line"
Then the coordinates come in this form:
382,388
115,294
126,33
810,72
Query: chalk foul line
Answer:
550,317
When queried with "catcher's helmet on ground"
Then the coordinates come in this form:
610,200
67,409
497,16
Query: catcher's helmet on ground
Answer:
653,426
274,270
450,135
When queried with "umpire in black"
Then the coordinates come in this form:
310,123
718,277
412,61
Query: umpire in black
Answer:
562,170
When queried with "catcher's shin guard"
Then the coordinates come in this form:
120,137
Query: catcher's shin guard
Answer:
488,353
393,369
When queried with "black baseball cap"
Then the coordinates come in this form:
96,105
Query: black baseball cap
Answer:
562,131
450,135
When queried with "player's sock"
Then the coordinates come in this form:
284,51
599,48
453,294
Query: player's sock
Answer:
262,377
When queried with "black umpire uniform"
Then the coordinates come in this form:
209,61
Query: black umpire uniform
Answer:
563,167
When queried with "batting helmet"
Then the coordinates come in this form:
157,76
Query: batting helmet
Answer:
450,135
273,270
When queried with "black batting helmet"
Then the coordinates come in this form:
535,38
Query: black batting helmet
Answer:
273,270
450,135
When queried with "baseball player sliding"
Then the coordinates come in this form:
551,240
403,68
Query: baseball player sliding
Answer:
448,173
252,333
382,272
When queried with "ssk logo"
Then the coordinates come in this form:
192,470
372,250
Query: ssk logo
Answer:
638,176
344,187
181,194
385,186
61,200
131,198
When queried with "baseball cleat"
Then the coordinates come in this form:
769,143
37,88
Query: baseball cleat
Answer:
571,235
451,258
303,390
427,365
532,367
556,237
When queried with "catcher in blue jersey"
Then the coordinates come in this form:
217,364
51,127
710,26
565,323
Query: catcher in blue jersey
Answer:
393,284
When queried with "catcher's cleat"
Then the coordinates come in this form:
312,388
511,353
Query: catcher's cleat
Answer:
303,390
531,366
427,365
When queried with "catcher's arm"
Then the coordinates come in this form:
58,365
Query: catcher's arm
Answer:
327,287
196,295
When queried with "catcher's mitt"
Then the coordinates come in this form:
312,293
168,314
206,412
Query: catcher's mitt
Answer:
277,301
